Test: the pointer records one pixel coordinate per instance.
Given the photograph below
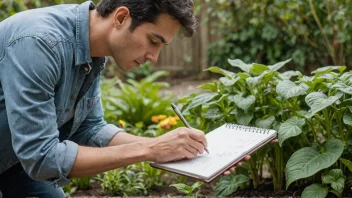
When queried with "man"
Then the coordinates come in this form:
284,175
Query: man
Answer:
51,118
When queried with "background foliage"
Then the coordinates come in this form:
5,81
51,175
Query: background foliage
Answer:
312,33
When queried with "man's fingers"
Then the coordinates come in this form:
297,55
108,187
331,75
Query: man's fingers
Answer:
275,141
247,157
227,172
198,136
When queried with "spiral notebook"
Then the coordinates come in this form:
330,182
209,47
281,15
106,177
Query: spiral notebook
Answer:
227,145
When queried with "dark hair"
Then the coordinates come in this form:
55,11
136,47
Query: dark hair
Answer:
143,11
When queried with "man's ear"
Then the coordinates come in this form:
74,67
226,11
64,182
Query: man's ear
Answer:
121,16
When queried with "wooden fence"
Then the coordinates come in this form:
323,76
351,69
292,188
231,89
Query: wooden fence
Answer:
186,56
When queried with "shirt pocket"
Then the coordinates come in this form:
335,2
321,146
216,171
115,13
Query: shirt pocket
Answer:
88,104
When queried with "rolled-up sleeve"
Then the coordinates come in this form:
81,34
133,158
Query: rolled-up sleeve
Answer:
30,74
94,131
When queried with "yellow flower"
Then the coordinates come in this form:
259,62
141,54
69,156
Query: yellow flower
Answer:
122,123
162,117
155,119
172,121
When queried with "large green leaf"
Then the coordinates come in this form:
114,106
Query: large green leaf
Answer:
291,128
254,81
318,101
209,86
228,74
265,123
229,82
315,191
342,87
336,178
287,89
289,74
229,184
279,65
347,118
241,102
347,163
201,99
257,69
240,64
328,69
308,161
244,118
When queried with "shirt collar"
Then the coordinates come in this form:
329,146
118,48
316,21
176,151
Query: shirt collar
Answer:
82,34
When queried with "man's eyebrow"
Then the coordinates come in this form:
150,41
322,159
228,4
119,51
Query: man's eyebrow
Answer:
161,38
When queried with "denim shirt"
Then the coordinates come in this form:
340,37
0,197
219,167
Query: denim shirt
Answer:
45,72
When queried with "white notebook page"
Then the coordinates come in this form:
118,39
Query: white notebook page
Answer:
224,145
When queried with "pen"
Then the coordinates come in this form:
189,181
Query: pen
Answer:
179,114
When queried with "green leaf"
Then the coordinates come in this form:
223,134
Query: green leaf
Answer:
196,185
228,74
327,69
279,65
229,184
347,118
155,75
287,89
347,163
291,128
318,101
289,74
265,123
244,118
257,69
240,64
209,86
342,87
229,82
241,102
213,114
307,161
336,178
201,99
254,81
182,188
315,191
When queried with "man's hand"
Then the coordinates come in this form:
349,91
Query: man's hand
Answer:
232,169
177,144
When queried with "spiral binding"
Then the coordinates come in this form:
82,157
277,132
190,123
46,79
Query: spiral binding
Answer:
247,128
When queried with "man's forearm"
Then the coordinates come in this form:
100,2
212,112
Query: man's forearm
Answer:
125,138
92,161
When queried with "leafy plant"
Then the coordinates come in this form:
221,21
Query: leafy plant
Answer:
122,181
152,177
192,191
135,102
312,114
142,71
229,184
82,183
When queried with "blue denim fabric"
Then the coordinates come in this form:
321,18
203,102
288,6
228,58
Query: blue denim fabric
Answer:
19,185
45,69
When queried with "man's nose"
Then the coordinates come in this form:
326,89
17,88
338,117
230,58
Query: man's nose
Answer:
153,56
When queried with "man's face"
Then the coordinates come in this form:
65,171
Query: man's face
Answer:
144,43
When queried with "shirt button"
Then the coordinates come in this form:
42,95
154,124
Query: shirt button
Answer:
73,97
68,109
86,69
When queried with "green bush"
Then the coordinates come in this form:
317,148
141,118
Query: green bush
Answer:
312,33
135,102
312,114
